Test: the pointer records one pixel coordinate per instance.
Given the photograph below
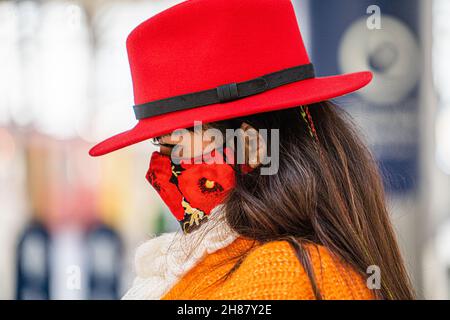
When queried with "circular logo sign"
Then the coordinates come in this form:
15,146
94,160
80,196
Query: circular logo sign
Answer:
391,53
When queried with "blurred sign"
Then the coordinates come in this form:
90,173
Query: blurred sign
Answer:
33,263
381,36
104,250
69,263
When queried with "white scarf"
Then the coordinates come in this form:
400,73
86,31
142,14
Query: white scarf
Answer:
163,260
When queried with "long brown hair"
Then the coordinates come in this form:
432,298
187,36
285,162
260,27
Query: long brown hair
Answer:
327,191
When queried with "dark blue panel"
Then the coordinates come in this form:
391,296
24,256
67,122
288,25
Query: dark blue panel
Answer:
394,125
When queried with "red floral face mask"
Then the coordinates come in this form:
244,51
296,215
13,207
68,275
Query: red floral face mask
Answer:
190,189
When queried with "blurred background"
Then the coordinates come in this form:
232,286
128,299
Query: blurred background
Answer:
69,224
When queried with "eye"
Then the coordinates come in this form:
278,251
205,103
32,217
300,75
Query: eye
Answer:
155,141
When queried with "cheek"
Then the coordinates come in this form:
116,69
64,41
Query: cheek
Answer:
165,150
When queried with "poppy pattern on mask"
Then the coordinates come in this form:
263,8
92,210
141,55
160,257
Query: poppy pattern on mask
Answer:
190,189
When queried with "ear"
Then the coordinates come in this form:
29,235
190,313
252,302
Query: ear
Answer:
255,146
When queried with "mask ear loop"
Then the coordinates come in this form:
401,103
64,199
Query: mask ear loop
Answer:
306,115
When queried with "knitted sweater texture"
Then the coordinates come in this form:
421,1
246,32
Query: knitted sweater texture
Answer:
270,271
175,266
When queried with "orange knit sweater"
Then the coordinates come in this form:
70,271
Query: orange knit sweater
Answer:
270,271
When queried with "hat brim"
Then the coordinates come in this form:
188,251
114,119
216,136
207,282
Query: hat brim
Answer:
287,96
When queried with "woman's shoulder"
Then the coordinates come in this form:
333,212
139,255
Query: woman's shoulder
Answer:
282,253
275,271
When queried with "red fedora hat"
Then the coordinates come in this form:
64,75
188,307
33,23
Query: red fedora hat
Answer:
211,60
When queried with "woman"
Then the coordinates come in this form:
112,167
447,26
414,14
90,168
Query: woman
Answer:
311,229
